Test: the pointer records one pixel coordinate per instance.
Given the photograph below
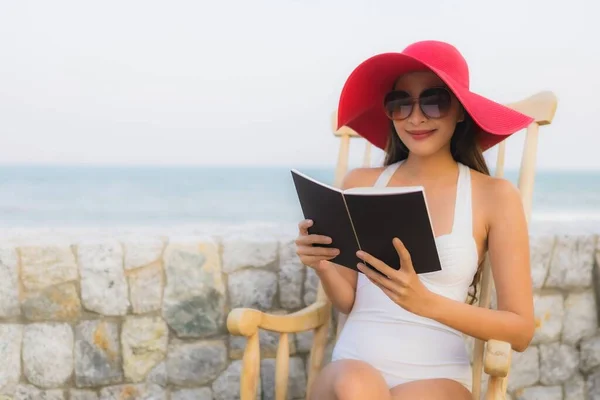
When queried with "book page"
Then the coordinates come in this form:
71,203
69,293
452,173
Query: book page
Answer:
372,190
313,180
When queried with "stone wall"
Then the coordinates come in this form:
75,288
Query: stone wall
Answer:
145,318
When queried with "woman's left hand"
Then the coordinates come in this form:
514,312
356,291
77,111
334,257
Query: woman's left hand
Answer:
402,286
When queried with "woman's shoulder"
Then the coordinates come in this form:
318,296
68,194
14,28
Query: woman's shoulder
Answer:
495,195
493,186
362,176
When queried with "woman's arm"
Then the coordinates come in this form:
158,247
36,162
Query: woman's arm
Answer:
339,283
508,248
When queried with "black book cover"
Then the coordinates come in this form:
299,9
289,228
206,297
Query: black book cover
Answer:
325,206
368,219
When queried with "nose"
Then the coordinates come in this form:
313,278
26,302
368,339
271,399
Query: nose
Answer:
416,116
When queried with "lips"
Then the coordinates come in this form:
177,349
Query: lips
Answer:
421,134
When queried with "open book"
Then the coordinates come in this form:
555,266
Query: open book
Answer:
367,219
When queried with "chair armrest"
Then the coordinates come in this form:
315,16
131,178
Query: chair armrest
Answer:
497,358
246,321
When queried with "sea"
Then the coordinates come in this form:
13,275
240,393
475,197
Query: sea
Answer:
187,199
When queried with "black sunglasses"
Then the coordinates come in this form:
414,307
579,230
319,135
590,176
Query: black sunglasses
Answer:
433,102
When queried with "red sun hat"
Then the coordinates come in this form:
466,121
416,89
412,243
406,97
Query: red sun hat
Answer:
361,101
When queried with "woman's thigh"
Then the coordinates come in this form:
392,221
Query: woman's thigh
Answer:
431,389
349,380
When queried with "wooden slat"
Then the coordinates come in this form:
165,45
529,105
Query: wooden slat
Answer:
499,170
541,107
497,358
282,367
247,321
344,130
311,317
367,155
250,369
342,163
478,346
243,321
527,170
485,292
495,389
497,365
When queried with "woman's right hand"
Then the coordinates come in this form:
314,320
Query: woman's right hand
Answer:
312,256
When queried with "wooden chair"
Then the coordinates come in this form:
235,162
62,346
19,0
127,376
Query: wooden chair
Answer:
494,357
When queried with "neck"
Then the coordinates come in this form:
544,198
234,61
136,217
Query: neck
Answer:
430,168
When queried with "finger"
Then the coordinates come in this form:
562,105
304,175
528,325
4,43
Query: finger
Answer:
326,264
304,225
377,278
317,251
307,240
376,263
311,261
406,264
392,294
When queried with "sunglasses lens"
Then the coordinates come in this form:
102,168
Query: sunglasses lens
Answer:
398,105
435,103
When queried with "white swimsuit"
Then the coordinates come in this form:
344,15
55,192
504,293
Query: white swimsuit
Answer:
404,346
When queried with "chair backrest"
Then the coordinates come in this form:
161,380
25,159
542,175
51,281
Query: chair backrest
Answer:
541,107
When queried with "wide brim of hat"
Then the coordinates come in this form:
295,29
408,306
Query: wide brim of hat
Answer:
361,101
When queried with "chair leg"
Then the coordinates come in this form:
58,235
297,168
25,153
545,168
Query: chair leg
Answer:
496,388
250,369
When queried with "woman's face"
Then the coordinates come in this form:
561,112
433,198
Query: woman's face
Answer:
425,135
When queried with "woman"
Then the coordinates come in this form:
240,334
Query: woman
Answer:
403,338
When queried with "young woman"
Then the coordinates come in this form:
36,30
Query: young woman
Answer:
403,338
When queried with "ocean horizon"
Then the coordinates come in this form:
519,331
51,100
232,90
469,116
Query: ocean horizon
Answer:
150,197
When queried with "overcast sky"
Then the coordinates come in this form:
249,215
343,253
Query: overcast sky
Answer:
255,82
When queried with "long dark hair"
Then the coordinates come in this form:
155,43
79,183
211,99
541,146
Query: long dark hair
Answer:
464,149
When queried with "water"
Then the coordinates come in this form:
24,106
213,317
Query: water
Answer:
107,197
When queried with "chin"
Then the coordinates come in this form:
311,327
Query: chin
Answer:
422,152
424,148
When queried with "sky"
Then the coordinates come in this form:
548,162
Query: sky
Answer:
254,83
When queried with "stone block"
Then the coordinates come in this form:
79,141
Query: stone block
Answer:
571,264
48,354
11,339
98,359
253,288
146,288
245,252
541,253
9,283
549,313
194,297
196,364
291,277
558,363
580,320
142,252
54,303
525,369
103,285
540,393
43,266
144,344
